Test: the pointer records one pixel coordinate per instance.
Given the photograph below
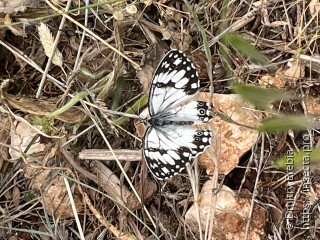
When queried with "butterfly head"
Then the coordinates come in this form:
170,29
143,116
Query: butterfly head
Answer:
154,121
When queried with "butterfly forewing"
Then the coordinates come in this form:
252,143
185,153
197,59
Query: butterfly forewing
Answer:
174,81
168,150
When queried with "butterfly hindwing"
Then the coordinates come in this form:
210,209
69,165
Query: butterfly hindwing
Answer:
169,149
174,81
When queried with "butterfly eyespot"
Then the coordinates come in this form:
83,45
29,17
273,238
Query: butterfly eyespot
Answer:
201,111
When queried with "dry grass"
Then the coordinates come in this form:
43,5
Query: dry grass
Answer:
96,63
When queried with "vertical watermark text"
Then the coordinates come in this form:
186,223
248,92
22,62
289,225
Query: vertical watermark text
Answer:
306,181
290,189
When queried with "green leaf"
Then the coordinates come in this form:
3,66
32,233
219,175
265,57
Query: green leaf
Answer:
284,123
306,157
117,92
258,96
244,47
226,60
133,110
46,123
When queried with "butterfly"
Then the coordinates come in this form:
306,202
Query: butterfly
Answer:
170,142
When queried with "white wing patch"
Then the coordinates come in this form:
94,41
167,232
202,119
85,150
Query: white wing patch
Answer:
195,111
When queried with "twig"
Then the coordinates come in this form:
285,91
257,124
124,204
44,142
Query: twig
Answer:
106,155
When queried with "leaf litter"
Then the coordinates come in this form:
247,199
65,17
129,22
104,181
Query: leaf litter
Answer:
122,39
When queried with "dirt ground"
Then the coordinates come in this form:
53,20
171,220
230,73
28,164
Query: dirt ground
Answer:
75,78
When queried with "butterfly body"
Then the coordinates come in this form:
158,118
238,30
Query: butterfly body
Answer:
170,141
154,122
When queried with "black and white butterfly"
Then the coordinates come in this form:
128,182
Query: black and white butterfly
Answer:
170,142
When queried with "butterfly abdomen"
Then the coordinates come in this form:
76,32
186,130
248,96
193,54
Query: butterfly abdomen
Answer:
161,122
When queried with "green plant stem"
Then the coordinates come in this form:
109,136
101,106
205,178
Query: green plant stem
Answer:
79,96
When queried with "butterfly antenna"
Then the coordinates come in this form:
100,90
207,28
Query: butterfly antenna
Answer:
136,113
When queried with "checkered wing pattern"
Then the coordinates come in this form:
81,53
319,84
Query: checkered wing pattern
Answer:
170,142
169,149
174,81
